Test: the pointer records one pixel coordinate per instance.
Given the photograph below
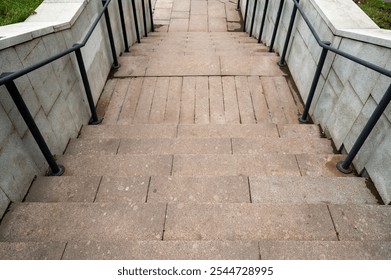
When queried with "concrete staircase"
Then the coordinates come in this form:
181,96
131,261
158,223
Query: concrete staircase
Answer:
200,156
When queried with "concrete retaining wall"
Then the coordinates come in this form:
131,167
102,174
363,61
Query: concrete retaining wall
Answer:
347,93
54,93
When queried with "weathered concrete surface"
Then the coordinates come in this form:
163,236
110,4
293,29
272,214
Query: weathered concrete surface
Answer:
248,222
325,250
362,222
307,190
229,189
31,250
83,221
63,189
163,250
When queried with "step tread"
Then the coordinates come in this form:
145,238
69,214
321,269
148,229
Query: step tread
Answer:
171,250
194,221
325,250
31,250
117,165
198,146
197,250
301,190
195,65
83,221
201,189
248,222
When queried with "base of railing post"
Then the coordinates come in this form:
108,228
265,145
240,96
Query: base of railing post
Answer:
343,169
303,121
95,122
281,64
58,173
115,66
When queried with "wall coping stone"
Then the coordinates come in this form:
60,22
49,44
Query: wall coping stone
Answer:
354,24
44,22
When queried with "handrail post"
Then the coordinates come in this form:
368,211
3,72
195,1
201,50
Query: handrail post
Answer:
253,18
144,18
288,36
263,21
94,117
111,38
344,166
245,16
304,116
276,25
121,14
151,15
136,21
55,169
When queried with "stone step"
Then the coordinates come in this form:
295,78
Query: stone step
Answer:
153,131
195,65
202,189
164,146
153,53
238,221
44,222
197,250
325,250
302,190
203,165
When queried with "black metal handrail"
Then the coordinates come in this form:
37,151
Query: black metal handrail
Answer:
343,166
7,79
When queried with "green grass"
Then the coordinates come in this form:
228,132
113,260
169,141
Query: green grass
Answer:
378,11
13,11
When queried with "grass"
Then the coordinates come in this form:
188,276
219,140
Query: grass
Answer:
13,11
378,11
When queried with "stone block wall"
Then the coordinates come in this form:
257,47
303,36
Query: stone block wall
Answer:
54,93
347,93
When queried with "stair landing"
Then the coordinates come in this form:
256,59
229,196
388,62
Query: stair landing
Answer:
199,156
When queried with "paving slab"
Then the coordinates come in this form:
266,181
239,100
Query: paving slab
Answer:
118,165
175,146
231,106
217,24
198,23
362,222
236,165
281,146
299,131
324,250
229,189
92,146
248,66
303,190
127,189
63,189
31,250
227,130
135,66
83,222
241,221
163,250
320,165
189,65
129,131
178,25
